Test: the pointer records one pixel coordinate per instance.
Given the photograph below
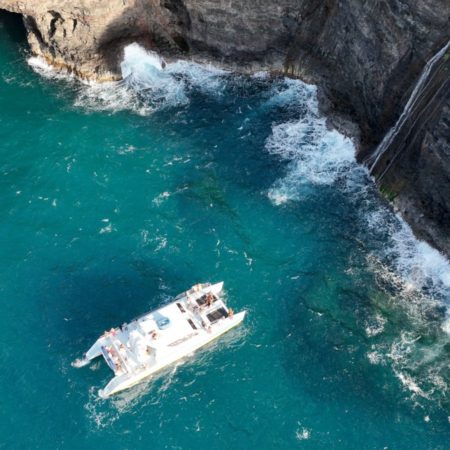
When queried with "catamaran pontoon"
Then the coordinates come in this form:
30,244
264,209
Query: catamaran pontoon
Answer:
147,344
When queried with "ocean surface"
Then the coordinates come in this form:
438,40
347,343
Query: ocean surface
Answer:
115,197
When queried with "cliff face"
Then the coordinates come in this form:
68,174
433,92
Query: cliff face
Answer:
366,55
85,37
415,170
369,53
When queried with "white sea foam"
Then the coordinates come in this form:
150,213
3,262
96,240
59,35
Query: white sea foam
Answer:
262,75
375,357
294,94
420,264
144,72
375,326
99,416
415,277
167,84
159,199
409,382
412,276
419,272
110,97
149,83
40,66
315,155
205,77
92,96
302,433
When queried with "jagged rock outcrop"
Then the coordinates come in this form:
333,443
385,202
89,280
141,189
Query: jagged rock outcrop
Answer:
85,37
366,55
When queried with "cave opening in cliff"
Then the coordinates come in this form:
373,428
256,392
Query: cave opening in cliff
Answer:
13,26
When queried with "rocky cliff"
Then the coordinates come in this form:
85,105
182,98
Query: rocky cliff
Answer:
413,170
366,55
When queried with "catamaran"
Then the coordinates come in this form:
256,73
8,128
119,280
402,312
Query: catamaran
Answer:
151,342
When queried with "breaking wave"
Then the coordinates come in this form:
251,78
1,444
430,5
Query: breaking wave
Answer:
414,283
40,66
315,153
306,145
411,275
149,83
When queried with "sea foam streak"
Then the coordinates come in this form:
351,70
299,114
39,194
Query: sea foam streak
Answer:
416,276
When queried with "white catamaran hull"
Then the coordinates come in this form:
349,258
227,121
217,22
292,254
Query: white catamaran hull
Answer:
160,338
118,384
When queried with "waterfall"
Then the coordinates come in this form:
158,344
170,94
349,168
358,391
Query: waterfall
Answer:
417,93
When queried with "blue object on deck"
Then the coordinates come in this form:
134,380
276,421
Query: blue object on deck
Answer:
163,323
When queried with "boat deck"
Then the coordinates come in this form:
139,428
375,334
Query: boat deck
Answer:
154,340
134,346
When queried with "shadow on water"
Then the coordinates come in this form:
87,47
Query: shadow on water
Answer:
13,24
78,306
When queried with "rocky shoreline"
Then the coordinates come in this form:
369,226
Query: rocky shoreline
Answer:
365,56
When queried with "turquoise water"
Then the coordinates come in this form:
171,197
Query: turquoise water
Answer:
116,197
